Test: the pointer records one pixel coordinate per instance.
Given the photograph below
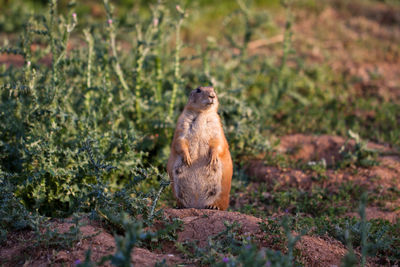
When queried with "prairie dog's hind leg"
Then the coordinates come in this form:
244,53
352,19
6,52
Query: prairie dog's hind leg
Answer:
178,168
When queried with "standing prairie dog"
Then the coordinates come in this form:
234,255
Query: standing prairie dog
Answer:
200,165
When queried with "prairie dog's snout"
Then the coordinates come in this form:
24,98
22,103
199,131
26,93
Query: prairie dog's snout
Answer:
211,97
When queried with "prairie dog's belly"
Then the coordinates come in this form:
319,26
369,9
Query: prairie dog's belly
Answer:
199,185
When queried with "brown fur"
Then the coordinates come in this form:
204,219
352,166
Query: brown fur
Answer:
200,164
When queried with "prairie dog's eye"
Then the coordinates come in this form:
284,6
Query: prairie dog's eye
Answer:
198,90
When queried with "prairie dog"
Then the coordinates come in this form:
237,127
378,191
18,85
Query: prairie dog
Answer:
200,164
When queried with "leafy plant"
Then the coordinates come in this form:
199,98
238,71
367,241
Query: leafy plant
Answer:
229,248
13,214
47,237
361,155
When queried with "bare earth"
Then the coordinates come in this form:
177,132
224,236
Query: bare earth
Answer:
198,225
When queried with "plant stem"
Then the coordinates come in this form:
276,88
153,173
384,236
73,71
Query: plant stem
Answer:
158,75
138,85
176,68
153,206
53,13
363,230
112,35
89,40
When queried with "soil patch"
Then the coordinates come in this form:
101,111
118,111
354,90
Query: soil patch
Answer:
380,179
19,249
357,40
201,224
316,147
377,213
198,226
315,251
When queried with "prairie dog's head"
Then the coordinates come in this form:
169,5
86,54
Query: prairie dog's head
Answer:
203,99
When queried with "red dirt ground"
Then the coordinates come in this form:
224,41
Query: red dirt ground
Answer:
307,148
198,225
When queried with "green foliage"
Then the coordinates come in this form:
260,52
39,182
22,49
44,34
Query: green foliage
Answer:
319,168
46,237
274,232
125,244
84,98
360,155
317,201
13,214
337,199
228,241
48,113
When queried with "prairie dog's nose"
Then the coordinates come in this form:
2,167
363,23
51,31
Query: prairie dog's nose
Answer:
211,95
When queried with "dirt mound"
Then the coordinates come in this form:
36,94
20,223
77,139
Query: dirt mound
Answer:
201,224
382,178
18,250
306,148
198,225
315,251
313,148
274,176
376,213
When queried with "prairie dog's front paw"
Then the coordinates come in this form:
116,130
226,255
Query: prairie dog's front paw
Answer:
212,165
187,160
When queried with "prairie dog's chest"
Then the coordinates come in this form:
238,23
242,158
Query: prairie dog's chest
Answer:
203,128
200,130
